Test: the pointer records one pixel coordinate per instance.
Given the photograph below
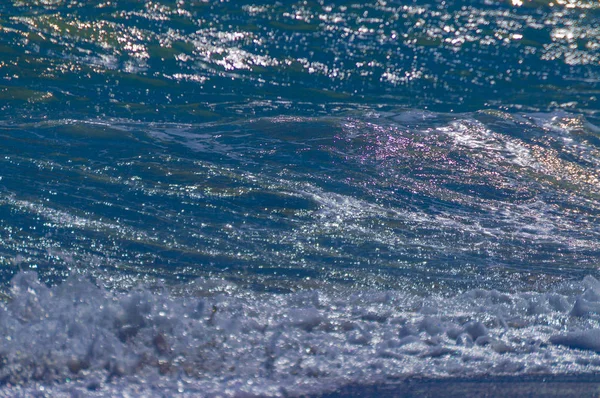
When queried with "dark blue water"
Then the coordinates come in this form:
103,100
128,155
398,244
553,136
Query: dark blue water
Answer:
247,197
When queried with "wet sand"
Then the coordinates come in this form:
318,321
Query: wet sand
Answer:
509,386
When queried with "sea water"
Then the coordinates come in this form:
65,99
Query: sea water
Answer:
229,198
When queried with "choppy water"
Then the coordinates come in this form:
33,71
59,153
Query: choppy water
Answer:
222,198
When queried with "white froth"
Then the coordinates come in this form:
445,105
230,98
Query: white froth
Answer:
222,340
474,135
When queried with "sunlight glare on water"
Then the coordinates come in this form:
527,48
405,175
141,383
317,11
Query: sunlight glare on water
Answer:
288,198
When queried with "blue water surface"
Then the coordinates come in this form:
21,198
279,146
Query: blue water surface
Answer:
330,174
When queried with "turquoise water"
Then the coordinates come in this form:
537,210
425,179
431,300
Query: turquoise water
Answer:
243,197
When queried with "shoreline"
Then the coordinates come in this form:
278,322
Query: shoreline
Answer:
587,385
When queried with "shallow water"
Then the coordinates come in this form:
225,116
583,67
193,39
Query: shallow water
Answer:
241,197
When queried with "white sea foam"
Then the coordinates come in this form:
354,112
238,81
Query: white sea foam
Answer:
476,136
214,337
